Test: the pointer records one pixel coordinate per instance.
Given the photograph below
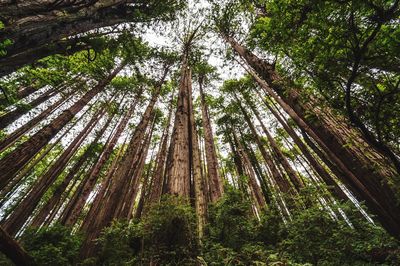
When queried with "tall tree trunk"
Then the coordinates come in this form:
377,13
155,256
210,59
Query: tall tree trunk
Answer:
60,190
12,116
31,31
122,176
254,187
194,152
12,186
11,163
293,176
367,170
159,172
14,136
216,184
17,218
178,163
76,204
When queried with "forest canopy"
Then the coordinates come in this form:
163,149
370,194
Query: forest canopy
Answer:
235,132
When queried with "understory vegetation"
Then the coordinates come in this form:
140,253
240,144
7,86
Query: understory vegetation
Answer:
234,236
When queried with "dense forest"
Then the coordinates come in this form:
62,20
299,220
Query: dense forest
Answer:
173,132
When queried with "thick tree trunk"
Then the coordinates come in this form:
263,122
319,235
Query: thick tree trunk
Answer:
367,171
178,163
10,164
216,184
31,30
20,215
11,248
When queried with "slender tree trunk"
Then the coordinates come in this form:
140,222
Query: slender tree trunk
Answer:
11,163
194,152
366,171
19,111
158,175
17,219
76,204
60,190
122,176
14,136
254,187
216,185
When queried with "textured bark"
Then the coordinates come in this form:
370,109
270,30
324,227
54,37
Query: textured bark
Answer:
254,187
13,115
11,186
122,177
10,164
216,184
30,30
178,164
61,189
76,204
294,177
11,248
20,215
14,136
200,200
333,186
158,175
367,171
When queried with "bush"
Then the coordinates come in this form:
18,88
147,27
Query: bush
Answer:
54,245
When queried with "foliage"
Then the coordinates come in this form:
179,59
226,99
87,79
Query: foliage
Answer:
54,245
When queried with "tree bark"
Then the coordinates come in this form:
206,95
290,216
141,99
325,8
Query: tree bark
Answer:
11,163
76,204
178,164
20,215
216,184
368,172
19,111
14,136
60,190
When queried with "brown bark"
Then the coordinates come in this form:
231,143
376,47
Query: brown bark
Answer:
216,184
14,136
333,187
76,204
367,171
32,30
254,187
11,163
178,164
20,215
13,115
11,186
158,175
11,248
122,177
293,176
194,153
60,190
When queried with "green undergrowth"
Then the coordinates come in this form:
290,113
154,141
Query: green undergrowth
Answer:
166,235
